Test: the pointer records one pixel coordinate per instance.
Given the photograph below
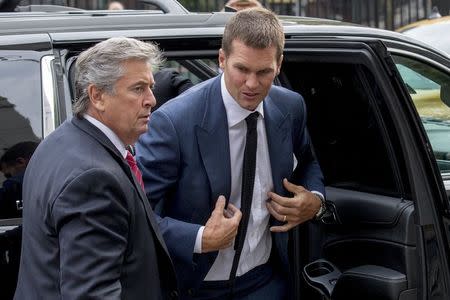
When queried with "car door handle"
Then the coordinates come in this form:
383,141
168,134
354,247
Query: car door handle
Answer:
19,205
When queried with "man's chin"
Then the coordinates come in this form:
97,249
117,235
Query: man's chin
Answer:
249,103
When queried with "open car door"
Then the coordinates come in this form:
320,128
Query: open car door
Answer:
386,237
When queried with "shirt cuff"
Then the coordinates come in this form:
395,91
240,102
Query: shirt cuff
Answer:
198,240
319,194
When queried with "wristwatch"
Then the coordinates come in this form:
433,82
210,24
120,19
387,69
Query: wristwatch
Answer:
322,210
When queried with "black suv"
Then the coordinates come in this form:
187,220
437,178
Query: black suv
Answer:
378,116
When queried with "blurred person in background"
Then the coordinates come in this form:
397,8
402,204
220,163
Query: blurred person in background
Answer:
237,5
13,164
115,5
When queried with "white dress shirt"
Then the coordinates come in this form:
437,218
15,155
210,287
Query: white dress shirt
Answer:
258,241
109,134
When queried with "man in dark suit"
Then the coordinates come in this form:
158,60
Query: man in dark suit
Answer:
169,84
88,229
233,139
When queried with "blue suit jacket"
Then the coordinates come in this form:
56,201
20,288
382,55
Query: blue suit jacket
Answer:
185,160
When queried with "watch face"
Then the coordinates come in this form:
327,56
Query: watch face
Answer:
321,211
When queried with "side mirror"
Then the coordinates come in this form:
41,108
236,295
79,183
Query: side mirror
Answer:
445,93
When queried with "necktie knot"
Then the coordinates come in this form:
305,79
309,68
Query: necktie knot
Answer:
251,120
130,160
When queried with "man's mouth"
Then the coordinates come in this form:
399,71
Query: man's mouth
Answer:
250,95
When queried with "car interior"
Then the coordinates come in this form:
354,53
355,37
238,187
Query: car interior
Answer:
367,248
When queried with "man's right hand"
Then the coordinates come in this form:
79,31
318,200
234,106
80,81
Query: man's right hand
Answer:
221,228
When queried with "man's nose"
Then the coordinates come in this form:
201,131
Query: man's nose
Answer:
252,81
150,99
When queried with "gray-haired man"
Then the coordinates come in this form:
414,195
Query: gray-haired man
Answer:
88,229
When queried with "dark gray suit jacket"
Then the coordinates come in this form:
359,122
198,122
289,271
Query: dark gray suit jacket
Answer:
88,229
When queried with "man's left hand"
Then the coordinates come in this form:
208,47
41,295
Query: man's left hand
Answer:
295,210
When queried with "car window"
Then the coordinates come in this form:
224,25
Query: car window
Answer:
415,80
426,85
185,67
21,123
184,72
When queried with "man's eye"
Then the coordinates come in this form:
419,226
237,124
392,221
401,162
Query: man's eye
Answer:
139,89
241,69
264,72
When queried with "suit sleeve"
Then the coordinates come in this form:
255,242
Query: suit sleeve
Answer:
91,220
180,83
158,156
308,172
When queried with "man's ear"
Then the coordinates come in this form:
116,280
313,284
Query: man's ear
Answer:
96,97
280,61
222,58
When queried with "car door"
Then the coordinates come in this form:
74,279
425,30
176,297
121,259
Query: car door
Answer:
27,114
386,236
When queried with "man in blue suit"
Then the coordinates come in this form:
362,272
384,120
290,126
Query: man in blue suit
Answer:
193,163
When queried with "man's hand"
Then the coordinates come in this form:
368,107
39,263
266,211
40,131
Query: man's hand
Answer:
221,228
302,207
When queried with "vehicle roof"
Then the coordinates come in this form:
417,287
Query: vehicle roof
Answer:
76,21
66,26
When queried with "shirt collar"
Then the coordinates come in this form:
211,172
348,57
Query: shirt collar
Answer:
109,134
235,113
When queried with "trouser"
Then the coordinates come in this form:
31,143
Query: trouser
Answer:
260,283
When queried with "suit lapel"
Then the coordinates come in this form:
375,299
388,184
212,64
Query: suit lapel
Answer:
213,143
98,135
279,142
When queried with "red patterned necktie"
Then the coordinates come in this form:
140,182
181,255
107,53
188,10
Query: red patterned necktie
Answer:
134,168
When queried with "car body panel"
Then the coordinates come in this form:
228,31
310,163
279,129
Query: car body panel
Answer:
431,31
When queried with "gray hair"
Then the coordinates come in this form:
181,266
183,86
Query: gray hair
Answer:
101,65
257,28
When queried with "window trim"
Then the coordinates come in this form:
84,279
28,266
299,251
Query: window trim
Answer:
48,96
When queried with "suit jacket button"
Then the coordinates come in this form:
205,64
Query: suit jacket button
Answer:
190,292
173,295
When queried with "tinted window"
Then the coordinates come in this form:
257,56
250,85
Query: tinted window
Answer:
427,87
189,68
20,121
